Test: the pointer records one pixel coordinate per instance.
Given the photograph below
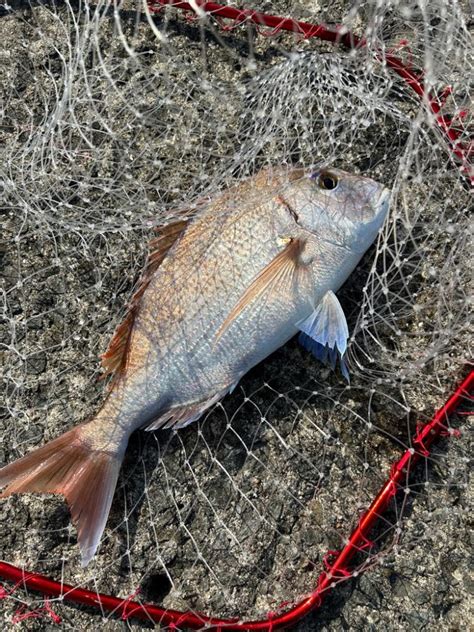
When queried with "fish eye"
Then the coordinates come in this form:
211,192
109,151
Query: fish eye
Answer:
327,181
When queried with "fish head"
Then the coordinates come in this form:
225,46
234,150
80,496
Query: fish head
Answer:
339,208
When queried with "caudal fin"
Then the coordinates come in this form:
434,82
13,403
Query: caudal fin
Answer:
69,466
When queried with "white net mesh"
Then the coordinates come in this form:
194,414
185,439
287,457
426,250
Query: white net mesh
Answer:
112,121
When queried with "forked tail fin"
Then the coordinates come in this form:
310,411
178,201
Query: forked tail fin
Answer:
69,466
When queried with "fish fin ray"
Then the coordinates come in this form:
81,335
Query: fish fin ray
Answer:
181,416
281,268
85,477
325,333
114,359
178,417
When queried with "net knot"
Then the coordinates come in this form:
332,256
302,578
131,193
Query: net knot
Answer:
366,543
128,607
4,592
50,612
23,613
329,558
450,432
418,440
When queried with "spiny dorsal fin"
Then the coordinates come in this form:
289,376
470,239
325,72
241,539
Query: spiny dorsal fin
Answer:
114,359
159,246
280,270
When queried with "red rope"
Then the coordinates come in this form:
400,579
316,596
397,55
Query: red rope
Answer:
451,128
338,570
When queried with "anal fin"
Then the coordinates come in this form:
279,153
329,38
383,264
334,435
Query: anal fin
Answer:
181,416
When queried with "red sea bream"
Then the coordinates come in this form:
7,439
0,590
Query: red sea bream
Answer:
258,263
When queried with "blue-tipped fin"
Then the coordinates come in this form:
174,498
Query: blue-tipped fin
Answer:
325,333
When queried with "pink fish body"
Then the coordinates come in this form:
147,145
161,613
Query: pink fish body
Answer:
258,263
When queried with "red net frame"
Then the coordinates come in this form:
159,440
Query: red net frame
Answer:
453,129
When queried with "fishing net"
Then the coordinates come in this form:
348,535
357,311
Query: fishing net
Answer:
115,118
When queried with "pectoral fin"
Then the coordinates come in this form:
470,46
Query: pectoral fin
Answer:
280,271
325,333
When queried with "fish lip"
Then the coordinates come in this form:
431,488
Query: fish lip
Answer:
380,209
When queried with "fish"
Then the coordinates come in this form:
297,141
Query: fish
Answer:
257,263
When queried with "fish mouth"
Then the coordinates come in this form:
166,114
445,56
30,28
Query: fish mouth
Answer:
367,231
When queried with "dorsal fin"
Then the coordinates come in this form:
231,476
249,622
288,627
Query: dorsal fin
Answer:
114,359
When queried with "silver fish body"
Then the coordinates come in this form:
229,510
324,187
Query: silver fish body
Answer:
181,361
258,262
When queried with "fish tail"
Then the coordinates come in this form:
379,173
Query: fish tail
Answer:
86,477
